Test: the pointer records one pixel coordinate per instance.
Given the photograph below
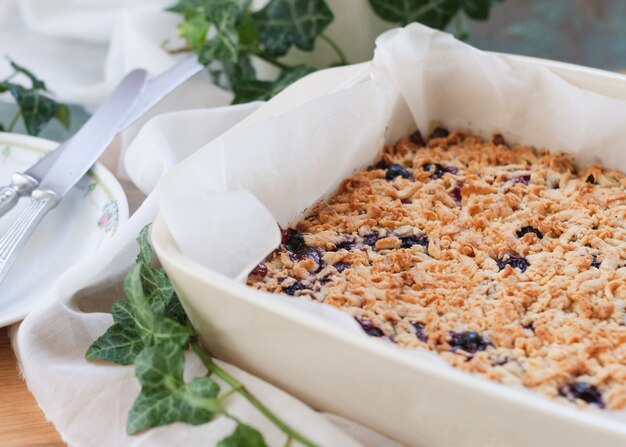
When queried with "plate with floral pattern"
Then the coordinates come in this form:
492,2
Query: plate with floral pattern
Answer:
87,217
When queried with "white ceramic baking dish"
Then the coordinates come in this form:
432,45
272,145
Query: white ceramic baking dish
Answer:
410,399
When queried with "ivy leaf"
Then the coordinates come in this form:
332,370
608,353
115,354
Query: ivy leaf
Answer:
121,343
255,90
434,13
189,8
175,311
156,286
286,23
225,45
62,115
37,84
165,397
152,328
194,30
477,9
37,109
243,436
248,33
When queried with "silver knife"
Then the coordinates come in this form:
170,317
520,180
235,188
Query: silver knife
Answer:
77,156
23,183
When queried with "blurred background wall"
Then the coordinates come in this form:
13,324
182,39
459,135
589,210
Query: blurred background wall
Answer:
587,32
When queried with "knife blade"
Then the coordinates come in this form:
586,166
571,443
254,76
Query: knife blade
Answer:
23,183
77,156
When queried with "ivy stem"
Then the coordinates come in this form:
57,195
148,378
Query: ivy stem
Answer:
212,366
228,393
270,60
9,78
14,120
334,46
288,441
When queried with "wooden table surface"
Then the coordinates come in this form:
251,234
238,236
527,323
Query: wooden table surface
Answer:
22,423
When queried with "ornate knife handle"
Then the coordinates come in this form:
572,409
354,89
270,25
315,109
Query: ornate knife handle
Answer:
14,240
22,185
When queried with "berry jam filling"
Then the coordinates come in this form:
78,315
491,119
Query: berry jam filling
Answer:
369,328
419,332
514,261
291,290
584,391
439,132
595,262
381,164
499,140
409,241
395,170
456,193
591,179
298,248
524,179
437,171
260,270
346,244
468,341
370,240
285,234
416,139
341,266
529,229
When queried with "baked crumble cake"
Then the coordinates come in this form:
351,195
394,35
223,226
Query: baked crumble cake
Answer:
507,261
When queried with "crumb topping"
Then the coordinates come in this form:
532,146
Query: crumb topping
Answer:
507,261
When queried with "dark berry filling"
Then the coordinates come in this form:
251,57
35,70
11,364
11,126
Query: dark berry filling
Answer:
591,179
341,266
437,171
409,241
456,193
416,139
501,361
499,140
295,243
345,244
298,248
285,234
370,240
529,229
524,179
439,132
584,391
514,261
395,170
369,328
468,341
381,164
595,262
291,290
419,332
259,270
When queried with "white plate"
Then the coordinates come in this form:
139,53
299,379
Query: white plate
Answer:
86,218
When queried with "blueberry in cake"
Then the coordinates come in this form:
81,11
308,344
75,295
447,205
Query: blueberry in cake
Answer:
509,262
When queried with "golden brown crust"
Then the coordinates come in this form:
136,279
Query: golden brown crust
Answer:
507,261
